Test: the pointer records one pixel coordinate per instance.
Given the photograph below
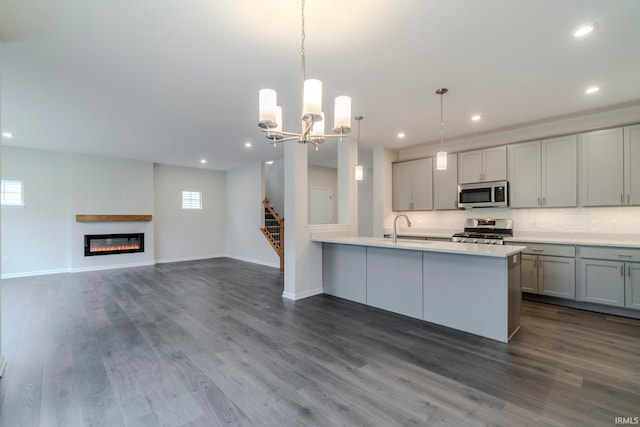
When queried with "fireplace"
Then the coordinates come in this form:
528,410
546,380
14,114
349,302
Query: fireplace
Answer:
109,244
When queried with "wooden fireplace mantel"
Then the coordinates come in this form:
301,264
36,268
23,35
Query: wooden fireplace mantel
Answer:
112,218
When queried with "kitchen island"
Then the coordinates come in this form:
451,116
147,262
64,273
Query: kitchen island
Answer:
469,287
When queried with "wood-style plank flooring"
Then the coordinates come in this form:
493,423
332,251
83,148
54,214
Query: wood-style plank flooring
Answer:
212,342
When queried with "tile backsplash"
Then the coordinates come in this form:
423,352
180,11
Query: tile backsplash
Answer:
623,221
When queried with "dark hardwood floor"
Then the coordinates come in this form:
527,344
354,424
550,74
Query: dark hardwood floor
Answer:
212,343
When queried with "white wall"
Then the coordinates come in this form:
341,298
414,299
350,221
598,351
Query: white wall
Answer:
244,195
184,234
365,204
107,185
323,177
37,237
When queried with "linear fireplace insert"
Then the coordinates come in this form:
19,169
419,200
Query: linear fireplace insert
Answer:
108,244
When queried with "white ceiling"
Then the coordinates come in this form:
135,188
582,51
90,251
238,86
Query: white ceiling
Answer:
176,81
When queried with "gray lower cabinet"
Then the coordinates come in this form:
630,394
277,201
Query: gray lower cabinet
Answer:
557,277
548,270
529,278
602,281
344,271
610,276
394,280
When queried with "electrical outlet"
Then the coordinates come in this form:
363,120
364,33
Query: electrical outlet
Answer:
614,225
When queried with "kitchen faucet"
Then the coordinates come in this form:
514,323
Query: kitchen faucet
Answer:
395,222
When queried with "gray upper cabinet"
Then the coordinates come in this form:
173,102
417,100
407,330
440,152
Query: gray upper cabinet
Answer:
632,164
413,185
602,168
489,164
446,185
543,173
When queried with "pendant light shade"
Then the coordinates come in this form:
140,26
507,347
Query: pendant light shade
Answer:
359,172
441,160
441,156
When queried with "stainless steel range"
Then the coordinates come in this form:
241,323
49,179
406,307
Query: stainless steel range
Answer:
484,231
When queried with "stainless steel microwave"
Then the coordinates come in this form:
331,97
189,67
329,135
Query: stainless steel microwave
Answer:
491,194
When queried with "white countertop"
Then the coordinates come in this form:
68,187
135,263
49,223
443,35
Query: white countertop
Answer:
426,246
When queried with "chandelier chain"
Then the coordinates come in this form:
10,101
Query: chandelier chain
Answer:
302,37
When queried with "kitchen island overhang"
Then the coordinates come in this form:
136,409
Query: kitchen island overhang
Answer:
468,287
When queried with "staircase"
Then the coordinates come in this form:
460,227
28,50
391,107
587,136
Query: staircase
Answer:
273,230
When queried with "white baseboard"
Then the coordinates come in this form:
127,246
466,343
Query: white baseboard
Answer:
192,258
112,266
255,261
34,273
300,295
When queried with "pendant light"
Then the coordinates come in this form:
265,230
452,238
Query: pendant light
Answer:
441,156
359,168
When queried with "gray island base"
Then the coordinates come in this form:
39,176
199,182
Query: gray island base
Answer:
468,287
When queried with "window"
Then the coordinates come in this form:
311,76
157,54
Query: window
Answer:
11,192
191,200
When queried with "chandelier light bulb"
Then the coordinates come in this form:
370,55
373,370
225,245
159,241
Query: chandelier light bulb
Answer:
312,99
267,100
342,114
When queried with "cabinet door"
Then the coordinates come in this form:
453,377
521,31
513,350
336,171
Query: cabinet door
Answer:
557,277
602,282
632,286
524,175
470,167
559,172
632,165
446,185
494,161
602,176
422,184
401,186
529,274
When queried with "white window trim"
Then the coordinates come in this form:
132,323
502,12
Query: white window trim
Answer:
12,205
190,208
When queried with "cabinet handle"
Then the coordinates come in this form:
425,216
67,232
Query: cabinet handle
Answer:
626,255
539,203
621,198
535,262
622,270
629,270
537,250
540,264
544,200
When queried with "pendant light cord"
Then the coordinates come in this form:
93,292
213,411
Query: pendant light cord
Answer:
441,122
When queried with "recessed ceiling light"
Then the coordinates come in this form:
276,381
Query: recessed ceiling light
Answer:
592,89
476,118
7,134
247,144
583,31
203,161
268,162
401,135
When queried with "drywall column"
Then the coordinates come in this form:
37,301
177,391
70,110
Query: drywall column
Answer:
2,359
302,257
347,184
382,186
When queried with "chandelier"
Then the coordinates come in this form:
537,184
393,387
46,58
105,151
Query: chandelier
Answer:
312,129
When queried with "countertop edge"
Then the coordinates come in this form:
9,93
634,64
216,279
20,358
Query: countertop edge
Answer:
501,251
